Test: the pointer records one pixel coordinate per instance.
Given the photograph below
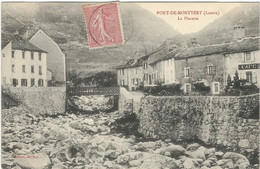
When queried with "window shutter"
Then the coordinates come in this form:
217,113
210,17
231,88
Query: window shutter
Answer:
252,56
254,78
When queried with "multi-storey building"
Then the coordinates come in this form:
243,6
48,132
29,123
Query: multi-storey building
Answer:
130,75
243,57
211,65
55,59
23,64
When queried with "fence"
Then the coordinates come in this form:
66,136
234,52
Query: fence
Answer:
108,91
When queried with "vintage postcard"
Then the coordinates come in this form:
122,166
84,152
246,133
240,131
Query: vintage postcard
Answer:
138,85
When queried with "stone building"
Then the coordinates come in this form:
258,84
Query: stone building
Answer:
203,64
210,65
243,57
130,75
158,67
213,64
55,59
22,64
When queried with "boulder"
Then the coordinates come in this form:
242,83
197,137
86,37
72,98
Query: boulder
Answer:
219,153
207,163
192,147
190,164
216,167
197,154
239,160
244,143
236,158
175,150
59,166
37,161
135,163
89,121
209,151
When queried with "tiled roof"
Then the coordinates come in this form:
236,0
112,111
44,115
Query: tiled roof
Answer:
131,63
126,65
160,56
19,43
243,45
202,51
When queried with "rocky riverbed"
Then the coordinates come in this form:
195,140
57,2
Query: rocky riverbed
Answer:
89,142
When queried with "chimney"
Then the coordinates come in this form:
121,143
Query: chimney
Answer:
239,32
26,34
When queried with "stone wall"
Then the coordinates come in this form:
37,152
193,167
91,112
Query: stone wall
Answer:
199,71
213,119
125,104
42,100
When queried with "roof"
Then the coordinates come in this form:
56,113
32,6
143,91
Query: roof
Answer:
155,51
243,45
5,39
131,63
160,56
19,43
202,51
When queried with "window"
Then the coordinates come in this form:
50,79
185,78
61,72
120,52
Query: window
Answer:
3,55
32,69
32,82
187,72
15,82
187,87
23,54
123,72
40,56
4,80
32,55
135,70
145,65
40,82
249,76
23,68
23,82
247,56
12,53
209,69
215,88
40,70
13,68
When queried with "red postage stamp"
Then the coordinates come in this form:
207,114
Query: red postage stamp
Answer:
103,25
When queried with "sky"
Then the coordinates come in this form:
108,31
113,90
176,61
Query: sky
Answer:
189,26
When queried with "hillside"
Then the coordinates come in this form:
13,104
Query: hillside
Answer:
221,30
64,22
143,31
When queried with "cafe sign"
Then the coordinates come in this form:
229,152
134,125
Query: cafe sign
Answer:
249,66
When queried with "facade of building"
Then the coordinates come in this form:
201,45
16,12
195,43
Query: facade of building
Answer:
22,63
130,75
244,57
212,65
55,59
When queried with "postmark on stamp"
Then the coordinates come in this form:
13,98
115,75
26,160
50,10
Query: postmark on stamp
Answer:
103,25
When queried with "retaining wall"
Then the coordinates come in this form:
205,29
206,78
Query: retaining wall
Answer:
213,119
42,100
